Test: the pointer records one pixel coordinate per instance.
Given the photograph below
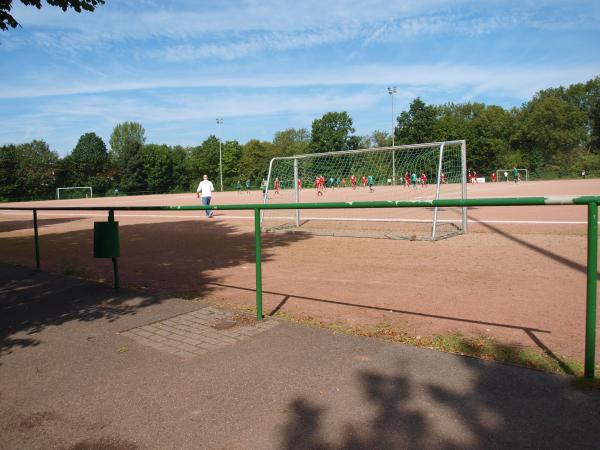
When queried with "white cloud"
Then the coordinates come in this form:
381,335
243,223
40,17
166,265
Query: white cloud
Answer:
517,82
227,30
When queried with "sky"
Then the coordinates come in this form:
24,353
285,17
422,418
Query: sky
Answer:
264,66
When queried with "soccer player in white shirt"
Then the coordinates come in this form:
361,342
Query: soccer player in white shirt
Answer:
205,189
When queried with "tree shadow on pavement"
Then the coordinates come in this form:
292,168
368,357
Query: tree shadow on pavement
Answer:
476,406
168,258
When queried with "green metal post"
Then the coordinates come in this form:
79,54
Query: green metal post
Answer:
36,240
257,242
592,270
115,261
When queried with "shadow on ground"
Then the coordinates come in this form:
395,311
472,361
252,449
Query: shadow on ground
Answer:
173,258
480,409
530,246
24,224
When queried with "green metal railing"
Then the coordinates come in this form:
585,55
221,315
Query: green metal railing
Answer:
592,237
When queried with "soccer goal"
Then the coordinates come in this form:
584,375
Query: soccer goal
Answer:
408,172
508,175
64,193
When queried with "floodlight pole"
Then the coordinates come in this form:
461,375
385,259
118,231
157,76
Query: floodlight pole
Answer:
392,91
220,122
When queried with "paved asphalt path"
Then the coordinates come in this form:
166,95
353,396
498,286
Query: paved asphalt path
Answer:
68,379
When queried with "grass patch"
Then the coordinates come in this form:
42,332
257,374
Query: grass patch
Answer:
481,347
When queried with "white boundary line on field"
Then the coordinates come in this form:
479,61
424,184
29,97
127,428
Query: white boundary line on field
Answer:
330,219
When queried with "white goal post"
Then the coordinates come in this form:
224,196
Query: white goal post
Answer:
406,172
86,188
510,176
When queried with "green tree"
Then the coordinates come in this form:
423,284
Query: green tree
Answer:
9,165
254,162
291,142
28,171
417,124
127,144
7,20
549,125
204,159
379,139
331,133
87,164
232,152
158,167
182,180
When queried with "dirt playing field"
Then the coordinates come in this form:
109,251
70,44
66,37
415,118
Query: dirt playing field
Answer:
518,275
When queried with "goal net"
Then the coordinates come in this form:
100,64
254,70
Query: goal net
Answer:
408,172
65,193
508,175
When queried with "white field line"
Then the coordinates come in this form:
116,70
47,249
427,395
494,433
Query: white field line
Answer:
330,219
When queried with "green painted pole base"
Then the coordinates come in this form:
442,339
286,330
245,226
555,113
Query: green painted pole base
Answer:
36,240
590,311
115,261
257,245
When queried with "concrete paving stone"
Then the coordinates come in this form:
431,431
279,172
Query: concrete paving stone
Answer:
162,332
208,346
141,340
200,351
176,337
171,343
162,347
192,341
230,333
228,339
186,347
188,335
157,338
126,333
142,333
150,328
210,339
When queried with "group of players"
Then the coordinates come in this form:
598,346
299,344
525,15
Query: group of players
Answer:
321,183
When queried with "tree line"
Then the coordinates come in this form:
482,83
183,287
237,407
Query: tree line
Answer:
555,134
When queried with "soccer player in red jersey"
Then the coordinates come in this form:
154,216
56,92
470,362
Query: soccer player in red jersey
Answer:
299,184
364,181
406,179
443,178
494,177
353,181
423,179
277,185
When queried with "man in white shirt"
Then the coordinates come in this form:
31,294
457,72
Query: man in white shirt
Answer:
205,189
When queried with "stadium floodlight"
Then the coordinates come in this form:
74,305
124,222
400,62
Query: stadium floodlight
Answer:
75,192
392,91
345,175
220,122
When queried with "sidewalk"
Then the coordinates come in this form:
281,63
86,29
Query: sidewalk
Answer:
84,366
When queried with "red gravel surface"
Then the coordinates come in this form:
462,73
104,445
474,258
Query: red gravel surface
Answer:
517,276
